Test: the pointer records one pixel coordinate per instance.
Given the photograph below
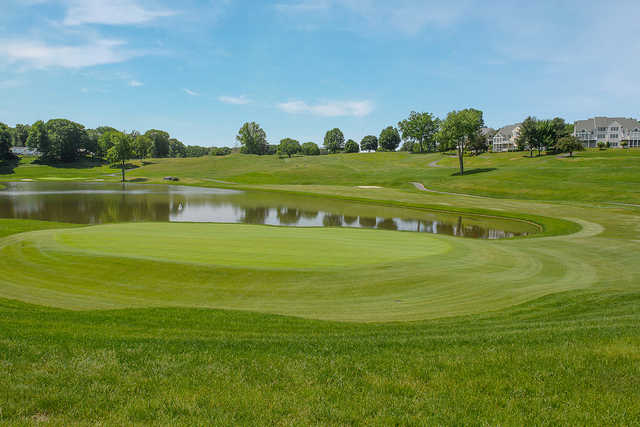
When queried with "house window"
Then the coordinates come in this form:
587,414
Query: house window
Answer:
602,129
602,135
614,129
614,135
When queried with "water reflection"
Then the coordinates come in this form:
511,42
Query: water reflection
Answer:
95,203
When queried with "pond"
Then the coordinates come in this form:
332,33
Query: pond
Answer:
96,203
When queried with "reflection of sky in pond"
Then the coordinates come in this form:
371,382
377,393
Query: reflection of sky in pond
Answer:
95,203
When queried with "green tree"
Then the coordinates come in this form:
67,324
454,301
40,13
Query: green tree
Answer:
420,128
38,139
569,144
624,144
159,142
66,139
369,143
5,142
459,128
351,146
141,146
197,151
177,148
120,150
529,137
310,149
389,139
602,145
21,134
558,129
289,147
105,142
253,139
334,140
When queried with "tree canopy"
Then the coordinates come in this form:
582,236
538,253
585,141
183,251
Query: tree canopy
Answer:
459,128
351,147
369,143
389,139
334,140
310,149
420,129
120,149
569,144
5,142
252,138
159,142
289,147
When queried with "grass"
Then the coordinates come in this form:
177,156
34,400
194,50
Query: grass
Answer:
236,324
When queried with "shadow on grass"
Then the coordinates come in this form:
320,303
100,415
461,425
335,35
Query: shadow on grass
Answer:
126,166
474,171
146,162
138,180
77,164
7,166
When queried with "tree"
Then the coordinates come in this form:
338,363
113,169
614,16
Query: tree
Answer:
389,139
624,144
197,151
177,148
351,146
334,140
529,134
478,143
369,143
105,142
21,134
66,139
310,149
5,142
420,128
159,142
459,128
602,145
558,129
410,147
120,149
289,147
569,144
141,146
253,139
39,139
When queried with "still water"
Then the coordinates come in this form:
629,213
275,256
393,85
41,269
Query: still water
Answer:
96,203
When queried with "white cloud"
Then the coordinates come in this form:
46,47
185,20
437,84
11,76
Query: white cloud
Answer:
235,100
110,12
41,55
190,92
135,83
329,109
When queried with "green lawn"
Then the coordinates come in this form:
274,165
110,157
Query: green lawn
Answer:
160,323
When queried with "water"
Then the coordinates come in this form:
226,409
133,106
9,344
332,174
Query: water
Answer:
96,203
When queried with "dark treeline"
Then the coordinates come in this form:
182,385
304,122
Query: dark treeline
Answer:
61,140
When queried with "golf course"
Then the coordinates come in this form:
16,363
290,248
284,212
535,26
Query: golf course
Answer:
139,319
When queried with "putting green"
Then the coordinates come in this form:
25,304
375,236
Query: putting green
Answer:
323,273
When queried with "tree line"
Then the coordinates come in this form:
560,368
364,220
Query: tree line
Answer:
62,140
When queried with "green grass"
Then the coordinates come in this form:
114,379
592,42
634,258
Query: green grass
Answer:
236,324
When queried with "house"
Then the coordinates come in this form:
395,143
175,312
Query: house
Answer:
612,130
24,151
505,139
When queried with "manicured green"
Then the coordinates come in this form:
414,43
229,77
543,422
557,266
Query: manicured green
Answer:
237,324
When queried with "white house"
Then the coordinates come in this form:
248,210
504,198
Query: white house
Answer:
506,137
613,130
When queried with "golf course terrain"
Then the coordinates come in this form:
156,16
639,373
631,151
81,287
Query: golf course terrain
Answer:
202,323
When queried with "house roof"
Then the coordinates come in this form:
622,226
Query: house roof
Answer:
597,122
507,131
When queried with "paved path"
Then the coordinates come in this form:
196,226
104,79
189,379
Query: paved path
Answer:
421,187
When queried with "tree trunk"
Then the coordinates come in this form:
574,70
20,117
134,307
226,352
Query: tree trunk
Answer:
530,151
460,158
123,171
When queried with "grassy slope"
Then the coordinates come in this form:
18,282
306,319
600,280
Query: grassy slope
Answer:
568,357
601,176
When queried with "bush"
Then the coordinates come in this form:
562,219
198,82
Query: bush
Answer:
602,145
221,151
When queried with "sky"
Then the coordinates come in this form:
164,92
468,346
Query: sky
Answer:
201,68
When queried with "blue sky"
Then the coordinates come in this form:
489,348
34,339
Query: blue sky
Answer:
200,68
